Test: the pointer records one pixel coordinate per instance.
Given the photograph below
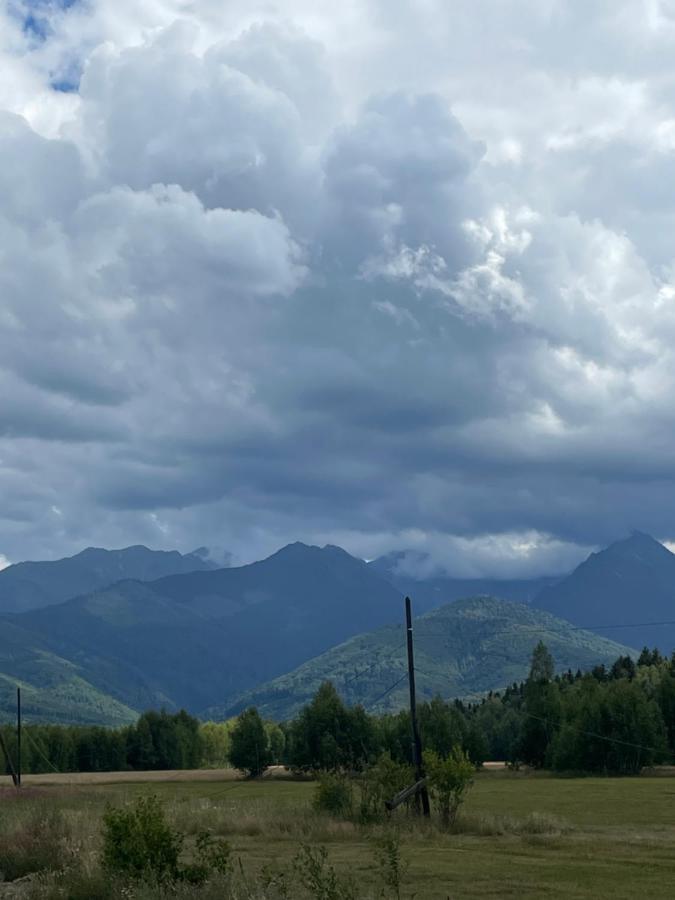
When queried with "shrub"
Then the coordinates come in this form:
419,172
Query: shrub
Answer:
138,841
211,855
380,783
448,780
334,795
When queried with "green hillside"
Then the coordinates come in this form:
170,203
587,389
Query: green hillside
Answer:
52,690
199,639
462,649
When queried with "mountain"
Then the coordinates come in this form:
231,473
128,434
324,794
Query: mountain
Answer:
201,638
52,688
31,585
462,649
411,573
630,582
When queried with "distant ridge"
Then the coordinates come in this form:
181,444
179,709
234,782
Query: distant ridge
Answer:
630,583
462,650
31,585
201,638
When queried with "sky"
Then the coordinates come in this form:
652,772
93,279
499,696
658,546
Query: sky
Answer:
382,274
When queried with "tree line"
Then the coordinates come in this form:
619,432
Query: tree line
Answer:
615,719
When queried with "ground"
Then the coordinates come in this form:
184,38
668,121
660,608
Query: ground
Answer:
525,836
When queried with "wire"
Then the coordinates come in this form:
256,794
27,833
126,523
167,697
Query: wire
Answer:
388,691
593,734
39,750
359,674
542,628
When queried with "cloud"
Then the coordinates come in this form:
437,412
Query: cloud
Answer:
359,275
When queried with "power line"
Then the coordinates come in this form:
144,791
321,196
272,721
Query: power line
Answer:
542,628
388,691
593,734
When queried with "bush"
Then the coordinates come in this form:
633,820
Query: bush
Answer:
380,783
138,841
334,795
448,780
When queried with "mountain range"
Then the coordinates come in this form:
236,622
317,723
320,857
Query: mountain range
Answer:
31,585
462,649
144,628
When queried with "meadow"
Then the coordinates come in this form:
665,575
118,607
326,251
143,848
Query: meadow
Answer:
530,836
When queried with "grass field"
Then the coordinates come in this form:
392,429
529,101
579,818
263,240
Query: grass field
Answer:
519,836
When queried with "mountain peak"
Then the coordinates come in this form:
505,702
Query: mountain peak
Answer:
631,581
640,545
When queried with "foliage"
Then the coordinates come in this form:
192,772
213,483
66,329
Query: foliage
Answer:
249,744
319,878
329,736
334,794
448,779
381,782
463,649
392,865
139,842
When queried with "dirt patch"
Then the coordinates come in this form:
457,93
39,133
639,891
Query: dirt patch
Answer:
30,782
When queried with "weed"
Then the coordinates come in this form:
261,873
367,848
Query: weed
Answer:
37,844
392,866
317,876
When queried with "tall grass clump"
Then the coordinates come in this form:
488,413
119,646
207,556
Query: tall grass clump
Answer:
36,843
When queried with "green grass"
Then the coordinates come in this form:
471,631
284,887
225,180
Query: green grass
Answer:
520,836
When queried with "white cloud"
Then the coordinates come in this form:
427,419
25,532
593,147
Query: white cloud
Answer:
382,269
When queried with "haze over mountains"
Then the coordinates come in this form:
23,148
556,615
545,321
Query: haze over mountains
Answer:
203,638
432,590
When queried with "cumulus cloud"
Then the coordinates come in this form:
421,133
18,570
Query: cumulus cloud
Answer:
388,275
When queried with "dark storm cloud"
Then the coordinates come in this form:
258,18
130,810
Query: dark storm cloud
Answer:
353,276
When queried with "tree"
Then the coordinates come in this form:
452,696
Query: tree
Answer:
541,708
249,744
448,780
542,667
442,726
326,735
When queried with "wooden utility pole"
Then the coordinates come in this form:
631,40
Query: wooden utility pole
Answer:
8,760
417,742
18,737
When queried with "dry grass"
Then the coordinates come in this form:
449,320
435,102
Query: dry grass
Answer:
98,778
517,836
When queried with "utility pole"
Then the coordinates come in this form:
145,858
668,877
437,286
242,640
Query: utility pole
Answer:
18,737
417,742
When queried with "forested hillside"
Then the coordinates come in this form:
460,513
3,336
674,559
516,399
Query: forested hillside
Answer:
461,650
